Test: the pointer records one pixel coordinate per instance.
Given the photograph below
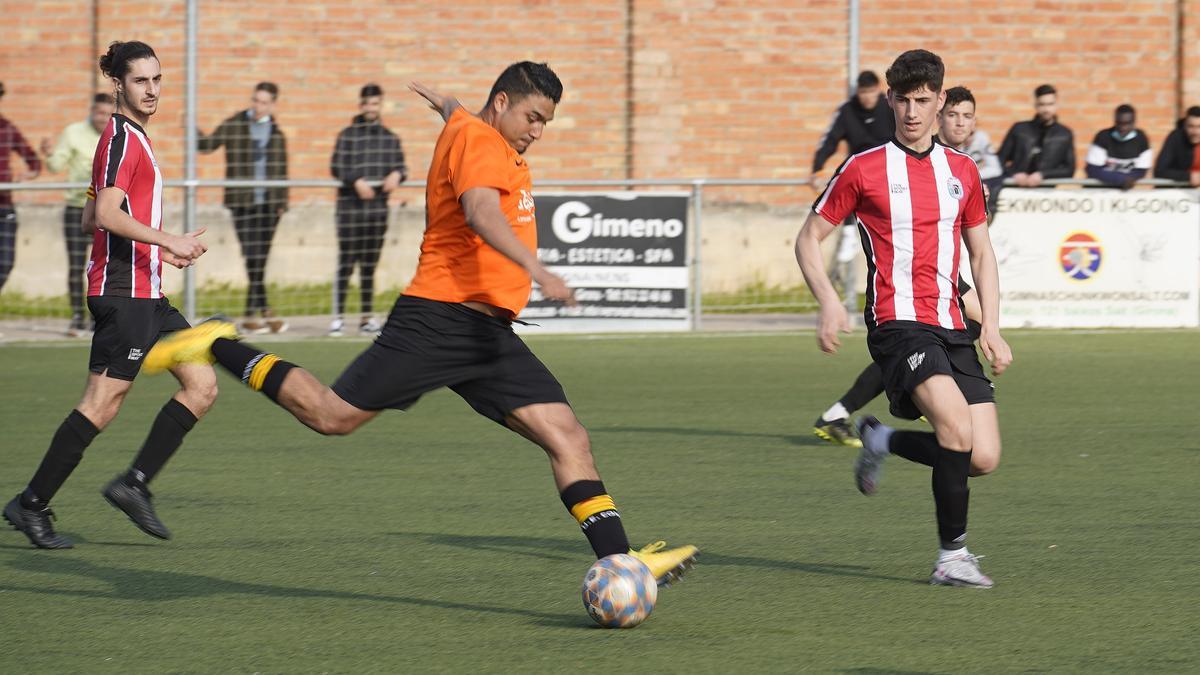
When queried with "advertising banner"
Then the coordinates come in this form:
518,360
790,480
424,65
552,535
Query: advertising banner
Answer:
625,256
1098,258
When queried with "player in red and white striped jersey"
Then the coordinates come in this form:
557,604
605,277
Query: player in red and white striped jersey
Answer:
131,313
914,200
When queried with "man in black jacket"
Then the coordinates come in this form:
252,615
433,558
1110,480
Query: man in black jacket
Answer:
255,149
1178,158
366,151
1039,148
1120,154
863,121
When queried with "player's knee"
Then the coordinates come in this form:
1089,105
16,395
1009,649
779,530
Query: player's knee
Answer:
204,394
985,460
955,434
330,425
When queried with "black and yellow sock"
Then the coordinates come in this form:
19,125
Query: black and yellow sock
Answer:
261,371
597,516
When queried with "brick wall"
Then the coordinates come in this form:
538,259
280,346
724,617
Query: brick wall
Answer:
727,88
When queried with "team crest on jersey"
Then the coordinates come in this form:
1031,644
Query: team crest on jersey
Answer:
526,202
954,187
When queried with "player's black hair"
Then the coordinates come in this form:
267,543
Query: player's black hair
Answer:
370,90
269,87
115,62
102,98
526,78
1044,90
959,94
914,69
1193,111
867,79
1124,109
1,90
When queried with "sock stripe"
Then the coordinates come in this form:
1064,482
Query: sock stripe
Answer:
259,373
590,507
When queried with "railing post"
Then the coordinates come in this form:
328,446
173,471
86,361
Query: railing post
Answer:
189,154
696,261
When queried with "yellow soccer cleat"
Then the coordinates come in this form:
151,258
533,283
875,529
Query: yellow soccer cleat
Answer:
667,565
192,345
837,432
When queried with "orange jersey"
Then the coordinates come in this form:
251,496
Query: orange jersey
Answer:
456,265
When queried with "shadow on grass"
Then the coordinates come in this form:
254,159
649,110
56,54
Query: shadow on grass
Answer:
146,585
711,433
562,549
884,671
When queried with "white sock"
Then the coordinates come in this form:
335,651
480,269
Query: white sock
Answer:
950,554
837,411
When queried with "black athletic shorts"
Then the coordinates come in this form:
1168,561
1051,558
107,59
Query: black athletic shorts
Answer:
909,352
126,329
426,345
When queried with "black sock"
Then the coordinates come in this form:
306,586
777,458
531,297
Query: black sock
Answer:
597,516
261,371
66,449
868,385
916,446
950,494
166,434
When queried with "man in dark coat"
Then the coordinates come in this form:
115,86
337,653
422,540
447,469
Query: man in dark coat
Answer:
366,152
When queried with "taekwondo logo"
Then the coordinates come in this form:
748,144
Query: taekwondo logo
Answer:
1080,255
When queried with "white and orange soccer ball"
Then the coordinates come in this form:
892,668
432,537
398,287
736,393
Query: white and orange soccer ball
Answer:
619,591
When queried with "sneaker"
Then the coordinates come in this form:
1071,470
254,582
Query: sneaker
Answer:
35,524
254,326
336,328
78,327
667,565
960,570
369,326
133,499
837,432
192,345
868,468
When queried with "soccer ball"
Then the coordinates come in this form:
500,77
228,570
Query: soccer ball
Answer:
619,591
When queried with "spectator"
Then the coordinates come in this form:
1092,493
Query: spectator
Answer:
11,141
956,128
74,152
1039,148
863,121
1120,154
366,152
1180,156
255,149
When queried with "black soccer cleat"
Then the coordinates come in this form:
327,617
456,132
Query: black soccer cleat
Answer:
35,524
133,499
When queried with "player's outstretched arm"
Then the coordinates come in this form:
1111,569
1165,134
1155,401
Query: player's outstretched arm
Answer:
987,285
833,318
111,218
481,206
440,103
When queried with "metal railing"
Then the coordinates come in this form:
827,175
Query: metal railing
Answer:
696,187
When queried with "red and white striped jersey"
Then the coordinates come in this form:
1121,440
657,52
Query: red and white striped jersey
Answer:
122,267
910,208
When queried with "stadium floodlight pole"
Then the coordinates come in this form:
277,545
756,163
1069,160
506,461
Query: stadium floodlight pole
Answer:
852,46
189,154
697,217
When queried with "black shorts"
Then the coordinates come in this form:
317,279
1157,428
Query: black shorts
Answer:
909,353
426,345
126,329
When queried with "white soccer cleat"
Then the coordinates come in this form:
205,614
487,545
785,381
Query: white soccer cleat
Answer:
868,468
960,570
